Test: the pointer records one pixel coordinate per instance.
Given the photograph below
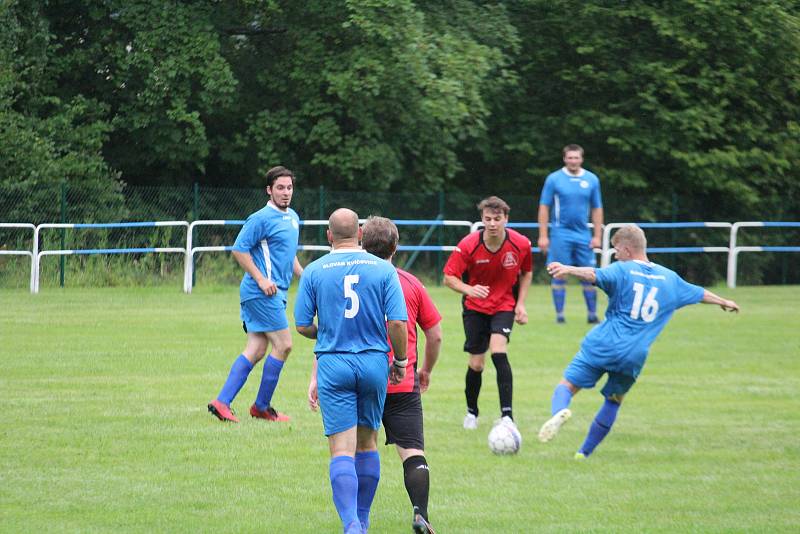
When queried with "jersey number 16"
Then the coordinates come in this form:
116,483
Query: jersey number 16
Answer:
647,309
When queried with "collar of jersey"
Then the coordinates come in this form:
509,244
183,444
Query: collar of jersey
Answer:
583,171
642,262
276,208
345,250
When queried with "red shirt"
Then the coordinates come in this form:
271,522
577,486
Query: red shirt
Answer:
422,311
499,270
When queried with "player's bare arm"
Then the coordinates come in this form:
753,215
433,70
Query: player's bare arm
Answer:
544,219
313,393
725,304
433,343
559,270
398,335
245,260
477,291
520,313
297,269
597,230
308,331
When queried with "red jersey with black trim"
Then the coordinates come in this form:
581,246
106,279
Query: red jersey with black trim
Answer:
421,311
477,265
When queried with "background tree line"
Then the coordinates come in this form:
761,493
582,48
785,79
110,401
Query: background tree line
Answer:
697,99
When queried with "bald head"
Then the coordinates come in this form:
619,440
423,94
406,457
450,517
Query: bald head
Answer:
343,224
632,236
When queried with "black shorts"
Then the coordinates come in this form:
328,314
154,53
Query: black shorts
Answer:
479,327
402,420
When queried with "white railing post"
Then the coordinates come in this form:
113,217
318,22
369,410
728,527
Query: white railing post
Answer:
732,256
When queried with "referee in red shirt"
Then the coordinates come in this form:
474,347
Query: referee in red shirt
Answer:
492,268
402,413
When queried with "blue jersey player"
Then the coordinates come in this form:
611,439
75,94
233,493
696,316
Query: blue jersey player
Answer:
265,248
571,195
356,297
642,298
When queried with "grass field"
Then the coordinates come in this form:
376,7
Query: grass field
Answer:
105,427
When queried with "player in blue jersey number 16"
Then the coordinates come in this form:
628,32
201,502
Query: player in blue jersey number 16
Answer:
642,297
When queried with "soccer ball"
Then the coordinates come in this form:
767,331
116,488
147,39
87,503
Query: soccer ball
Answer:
504,438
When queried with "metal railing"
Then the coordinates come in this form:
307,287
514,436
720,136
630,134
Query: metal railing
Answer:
190,248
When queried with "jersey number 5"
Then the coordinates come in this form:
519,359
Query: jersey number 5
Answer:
349,293
647,309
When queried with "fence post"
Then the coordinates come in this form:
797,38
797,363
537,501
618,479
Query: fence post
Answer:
196,202
441,238
321,214
195,217
63,230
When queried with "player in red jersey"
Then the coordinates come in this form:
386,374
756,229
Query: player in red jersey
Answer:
402,413
492,268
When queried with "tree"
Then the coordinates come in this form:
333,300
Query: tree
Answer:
697,99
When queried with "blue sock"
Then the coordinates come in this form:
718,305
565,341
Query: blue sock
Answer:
559,289
600,426
236,379
368,469
590,296
562,396
344,484
269,381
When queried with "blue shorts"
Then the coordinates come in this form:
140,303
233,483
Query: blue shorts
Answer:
571,252
266,314
583,374
352,390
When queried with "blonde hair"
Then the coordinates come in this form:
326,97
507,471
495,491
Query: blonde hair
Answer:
630,235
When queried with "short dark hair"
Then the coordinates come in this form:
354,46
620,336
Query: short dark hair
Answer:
572,148
276,172
495,204
379,236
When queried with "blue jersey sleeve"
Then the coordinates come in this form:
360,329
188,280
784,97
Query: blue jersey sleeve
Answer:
595,201
395,303
305,304
249,236
686,293
608,278
547,192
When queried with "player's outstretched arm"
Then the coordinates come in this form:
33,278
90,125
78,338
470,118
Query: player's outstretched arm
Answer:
433,343
559,270
725,304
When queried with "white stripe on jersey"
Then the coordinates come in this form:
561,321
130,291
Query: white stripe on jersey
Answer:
267,259
556,210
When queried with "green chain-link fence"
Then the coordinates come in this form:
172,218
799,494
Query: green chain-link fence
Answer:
62,203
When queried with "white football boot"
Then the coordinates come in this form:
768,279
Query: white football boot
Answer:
553,425
470,421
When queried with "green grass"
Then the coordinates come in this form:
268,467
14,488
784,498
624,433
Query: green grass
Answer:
105,425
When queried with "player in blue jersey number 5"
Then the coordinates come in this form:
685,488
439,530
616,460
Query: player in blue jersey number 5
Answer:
356,297
642,297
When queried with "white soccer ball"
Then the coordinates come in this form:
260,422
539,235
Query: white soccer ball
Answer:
504,438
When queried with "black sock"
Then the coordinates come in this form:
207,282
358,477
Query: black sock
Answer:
417,479
473,389
505,382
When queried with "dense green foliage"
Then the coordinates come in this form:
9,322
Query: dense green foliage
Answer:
697,99
106,429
